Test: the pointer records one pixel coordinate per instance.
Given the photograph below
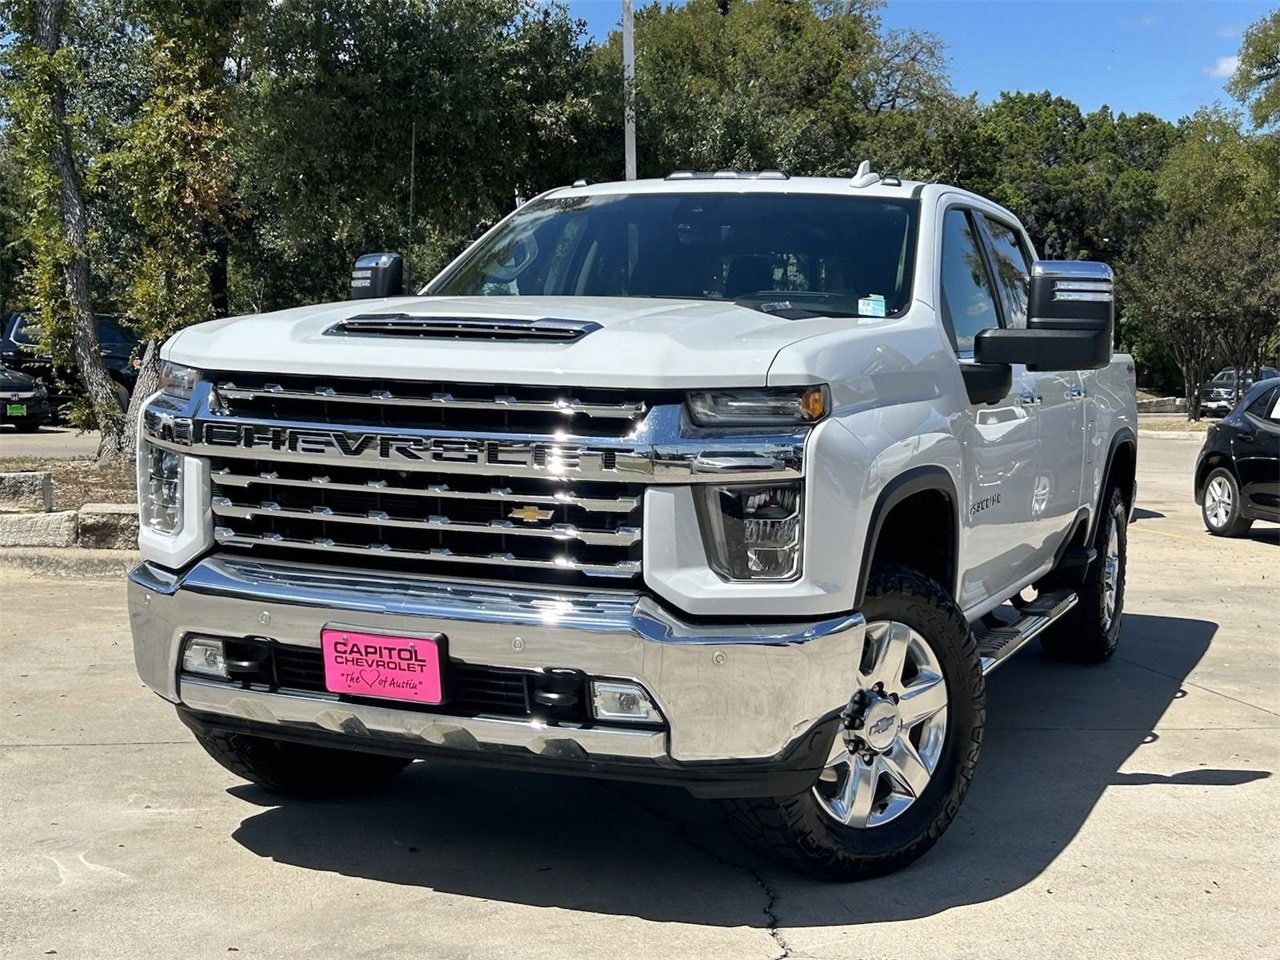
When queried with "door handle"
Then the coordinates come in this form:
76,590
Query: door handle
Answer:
1029,399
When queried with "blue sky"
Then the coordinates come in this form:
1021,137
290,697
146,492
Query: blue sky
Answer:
1167,58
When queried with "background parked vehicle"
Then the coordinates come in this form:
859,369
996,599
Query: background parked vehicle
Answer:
20,350
1238,473
1218,396
24,404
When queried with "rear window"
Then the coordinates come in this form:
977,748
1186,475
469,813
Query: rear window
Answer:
825,254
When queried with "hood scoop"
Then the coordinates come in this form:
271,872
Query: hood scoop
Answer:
405,325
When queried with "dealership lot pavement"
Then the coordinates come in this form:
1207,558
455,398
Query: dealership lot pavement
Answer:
56,443
1122,811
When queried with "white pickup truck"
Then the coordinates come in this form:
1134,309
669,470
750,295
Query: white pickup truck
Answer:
738,482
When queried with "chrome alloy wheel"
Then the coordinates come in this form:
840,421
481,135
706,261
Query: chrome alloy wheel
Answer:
892,731
1111,577
1217,507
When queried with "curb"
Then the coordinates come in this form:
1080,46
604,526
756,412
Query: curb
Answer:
38,529
78,563
1171,434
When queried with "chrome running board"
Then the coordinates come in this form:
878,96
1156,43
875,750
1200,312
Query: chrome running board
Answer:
997,644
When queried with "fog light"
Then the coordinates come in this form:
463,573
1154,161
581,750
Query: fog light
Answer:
206,656
622,701
160,489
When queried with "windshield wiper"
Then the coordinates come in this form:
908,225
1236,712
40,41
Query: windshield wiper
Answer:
789,311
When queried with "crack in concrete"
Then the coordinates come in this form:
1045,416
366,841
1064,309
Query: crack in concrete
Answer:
1199,686
773,924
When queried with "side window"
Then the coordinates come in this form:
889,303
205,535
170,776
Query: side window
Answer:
967,302
1262,406
1013,270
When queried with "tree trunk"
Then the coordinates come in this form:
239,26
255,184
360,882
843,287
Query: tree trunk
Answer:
148,383
84,332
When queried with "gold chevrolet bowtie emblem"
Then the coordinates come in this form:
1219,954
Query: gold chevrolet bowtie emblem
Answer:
530,514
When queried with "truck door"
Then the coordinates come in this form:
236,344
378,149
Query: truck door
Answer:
1256,448
999,440
1058,396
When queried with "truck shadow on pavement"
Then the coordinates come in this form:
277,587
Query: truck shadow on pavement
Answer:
1055,740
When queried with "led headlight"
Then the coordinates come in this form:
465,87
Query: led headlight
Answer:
177,380
781,406
753,532
160,489
41,391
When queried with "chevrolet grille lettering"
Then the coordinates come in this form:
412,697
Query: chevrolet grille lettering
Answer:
342,444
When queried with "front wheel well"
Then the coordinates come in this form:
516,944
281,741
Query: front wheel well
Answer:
1210,463
917,530
1122,473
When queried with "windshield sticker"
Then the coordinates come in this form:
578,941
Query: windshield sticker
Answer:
872,305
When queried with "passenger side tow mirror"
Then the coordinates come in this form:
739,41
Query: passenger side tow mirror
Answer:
377,275
1070,319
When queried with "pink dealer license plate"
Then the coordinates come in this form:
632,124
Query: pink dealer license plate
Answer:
372,665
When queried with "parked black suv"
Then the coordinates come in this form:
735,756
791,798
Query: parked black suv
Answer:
1238,473
20,350
1218,395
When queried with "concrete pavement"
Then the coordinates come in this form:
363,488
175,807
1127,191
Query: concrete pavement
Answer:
53,443
1127,810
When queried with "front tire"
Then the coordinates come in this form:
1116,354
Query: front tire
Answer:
1090,631
297,769
1221,507
903,756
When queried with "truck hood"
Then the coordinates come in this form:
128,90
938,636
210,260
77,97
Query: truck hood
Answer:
640,343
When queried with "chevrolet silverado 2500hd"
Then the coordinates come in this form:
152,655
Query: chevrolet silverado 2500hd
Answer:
738,482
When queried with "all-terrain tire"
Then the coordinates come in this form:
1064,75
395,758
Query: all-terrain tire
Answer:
797,831
1090,631
298,769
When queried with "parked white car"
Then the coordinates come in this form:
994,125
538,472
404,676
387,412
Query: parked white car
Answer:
734,481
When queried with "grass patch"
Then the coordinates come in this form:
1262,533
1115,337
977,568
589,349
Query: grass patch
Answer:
77,482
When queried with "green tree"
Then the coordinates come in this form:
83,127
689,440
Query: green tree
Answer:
488,96
41,68
810,88
1256,81
175,162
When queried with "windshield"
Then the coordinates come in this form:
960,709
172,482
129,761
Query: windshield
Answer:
808,254
111,332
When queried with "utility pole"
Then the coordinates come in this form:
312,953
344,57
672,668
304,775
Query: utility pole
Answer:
629,87
413,176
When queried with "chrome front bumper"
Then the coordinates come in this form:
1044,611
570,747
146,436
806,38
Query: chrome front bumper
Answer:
754,694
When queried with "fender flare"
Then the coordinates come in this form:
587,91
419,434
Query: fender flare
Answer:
922,479
1124,435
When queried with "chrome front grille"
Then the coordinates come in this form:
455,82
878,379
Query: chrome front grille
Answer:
478,408
474,481
467,506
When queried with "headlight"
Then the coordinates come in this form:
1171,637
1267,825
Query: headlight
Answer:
752,532
41,391
160,489
177,380
781,406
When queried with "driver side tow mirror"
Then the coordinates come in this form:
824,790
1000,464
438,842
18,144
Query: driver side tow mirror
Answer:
1070,319
377,275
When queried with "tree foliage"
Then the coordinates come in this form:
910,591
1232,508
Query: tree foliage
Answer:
1256,81
237,154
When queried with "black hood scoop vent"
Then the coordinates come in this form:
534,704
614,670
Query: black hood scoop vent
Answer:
403,325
